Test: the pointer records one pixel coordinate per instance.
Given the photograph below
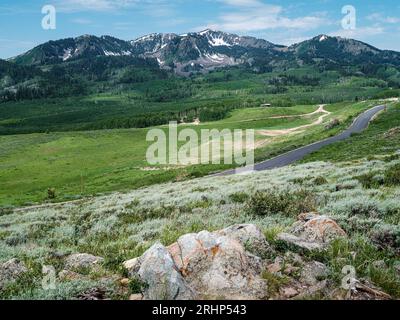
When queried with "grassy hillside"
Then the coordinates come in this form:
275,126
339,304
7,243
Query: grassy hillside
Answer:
74,177
122,226
79,164
382,137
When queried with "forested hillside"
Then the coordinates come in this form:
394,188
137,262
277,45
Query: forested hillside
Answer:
102,82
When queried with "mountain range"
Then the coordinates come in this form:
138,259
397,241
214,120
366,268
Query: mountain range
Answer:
91,82
206,50
90,64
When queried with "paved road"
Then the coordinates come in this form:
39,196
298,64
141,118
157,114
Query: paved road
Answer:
283,160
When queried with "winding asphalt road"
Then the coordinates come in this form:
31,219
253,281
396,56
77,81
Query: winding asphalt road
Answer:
288,158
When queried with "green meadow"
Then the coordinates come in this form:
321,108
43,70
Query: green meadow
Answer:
155,102
380,138
80,164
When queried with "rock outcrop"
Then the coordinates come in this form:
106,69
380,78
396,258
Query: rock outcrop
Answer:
237,263
312,232
250,236
10,271
158,271
205,265
78,261
314,272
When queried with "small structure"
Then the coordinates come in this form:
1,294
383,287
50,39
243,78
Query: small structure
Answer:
266,105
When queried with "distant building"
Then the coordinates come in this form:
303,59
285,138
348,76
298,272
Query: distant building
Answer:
266,105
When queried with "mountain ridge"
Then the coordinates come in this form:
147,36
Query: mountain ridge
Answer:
206,50
77,66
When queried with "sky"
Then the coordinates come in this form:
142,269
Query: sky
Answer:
377,22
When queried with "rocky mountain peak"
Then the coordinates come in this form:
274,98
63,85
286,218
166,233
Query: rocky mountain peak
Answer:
208,49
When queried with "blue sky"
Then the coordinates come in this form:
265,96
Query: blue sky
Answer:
279,21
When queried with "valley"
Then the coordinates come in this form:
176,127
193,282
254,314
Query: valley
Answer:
80,164
80,200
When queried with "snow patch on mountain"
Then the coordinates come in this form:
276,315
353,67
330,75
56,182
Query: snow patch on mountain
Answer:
160,62
144,38
202,33
67,54
323,38
110,53
215,57
216,42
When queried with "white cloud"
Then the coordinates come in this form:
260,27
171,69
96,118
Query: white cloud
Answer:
12,44
254,15
242,3
90,5
359,33
81,21
158,9
392,20
292,40
380,17
104,5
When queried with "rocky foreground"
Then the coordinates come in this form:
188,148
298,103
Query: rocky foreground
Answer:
215,238
236,263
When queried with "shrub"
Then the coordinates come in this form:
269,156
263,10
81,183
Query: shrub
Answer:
392,133
204,203
51,193
355,206
200,189
370,180
197,174
141,214
346,185
357,224
71,290
275,282
387,279
319,181
137,285
299,180
392,157
392,175
15,239
288,203
360,253
239,197
387,236
391,208
271,233
133,204
6,211
332,124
